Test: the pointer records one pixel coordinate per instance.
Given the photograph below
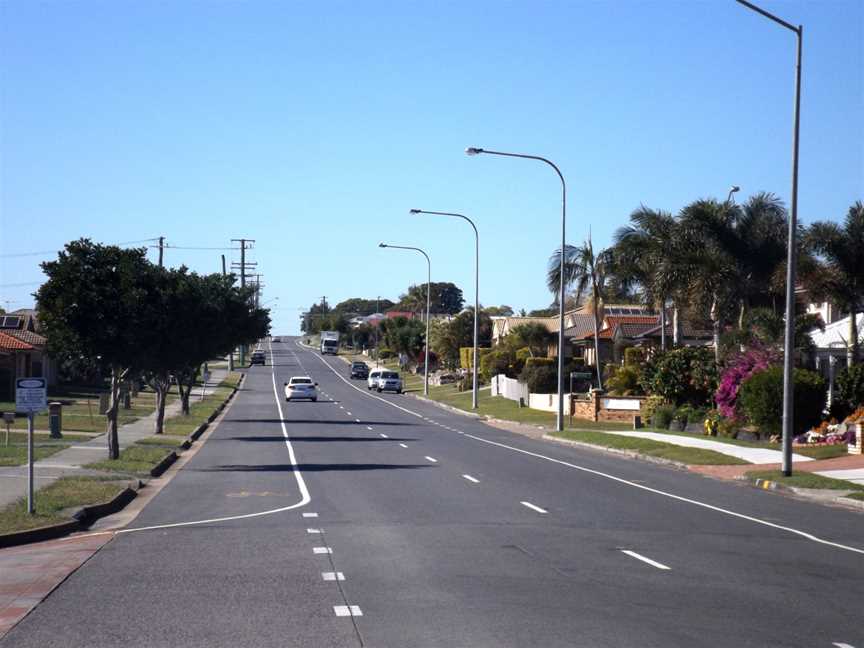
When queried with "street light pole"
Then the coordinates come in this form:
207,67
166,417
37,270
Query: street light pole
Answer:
791,253
559,419
475,365
428,303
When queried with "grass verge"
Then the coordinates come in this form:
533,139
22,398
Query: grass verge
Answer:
17,455
66,492
162,440
805,480
135,460
856,496
695,456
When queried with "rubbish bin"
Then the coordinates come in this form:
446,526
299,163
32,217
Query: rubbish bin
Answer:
55,420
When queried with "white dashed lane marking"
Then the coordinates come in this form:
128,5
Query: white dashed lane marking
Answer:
637,556
534,507
368,427
471,479
433,460
358,420
310,515
383,436
322,550
347,610
403,445
333,576
313,530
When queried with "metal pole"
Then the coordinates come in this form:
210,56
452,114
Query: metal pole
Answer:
223,265
428,302
161,249
377,324
791,252
31,502
242,285
559,418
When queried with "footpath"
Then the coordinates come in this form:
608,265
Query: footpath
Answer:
71,460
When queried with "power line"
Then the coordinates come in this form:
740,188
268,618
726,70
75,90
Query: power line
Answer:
49,252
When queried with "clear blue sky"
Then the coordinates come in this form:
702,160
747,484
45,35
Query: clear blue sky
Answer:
314,127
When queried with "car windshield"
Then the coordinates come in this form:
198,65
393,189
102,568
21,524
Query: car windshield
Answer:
389,374
301,381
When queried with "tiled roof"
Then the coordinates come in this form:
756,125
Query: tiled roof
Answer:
631,322
581,324
29,337
688,330
9,343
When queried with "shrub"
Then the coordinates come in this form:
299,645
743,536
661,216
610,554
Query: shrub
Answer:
850,386
662,416
540,378
466,356
682,376
738,368
625,382
650,405
384,353
541,362
633,356
682,414
696,415
761,399
497,361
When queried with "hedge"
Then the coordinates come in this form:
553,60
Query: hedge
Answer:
761,399
466,356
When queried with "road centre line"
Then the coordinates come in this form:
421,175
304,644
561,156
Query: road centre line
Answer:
310,515
471,479
533,507
433,460
322,550
313,530
358,420
620,480
368,427
383,436
637,556
347,610
333,576
403,445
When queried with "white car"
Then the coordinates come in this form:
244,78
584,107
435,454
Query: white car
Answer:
372,380
301,387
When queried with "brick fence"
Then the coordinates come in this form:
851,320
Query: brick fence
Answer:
599,407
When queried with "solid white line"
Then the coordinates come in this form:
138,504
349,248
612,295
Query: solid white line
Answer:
403,445
471,479
534,508
322,550
842,645
620,480
333,576
383,436
637,556
347,610
308,515
432,460
301,484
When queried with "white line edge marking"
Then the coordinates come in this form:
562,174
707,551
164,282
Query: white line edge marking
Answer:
432,459
301,484
533,507
637,556
621,480
471,479
842,645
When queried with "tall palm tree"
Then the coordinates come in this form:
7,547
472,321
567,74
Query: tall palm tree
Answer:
644,254
588,272
746,244
841,277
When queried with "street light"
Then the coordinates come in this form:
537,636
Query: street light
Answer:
475,387
789,337
733,189
428,301
559,420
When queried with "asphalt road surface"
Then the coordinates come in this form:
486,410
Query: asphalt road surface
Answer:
395,523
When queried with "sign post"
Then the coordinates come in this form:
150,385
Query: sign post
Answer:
30,397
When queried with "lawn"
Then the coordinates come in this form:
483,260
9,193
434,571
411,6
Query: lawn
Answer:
856,496
64,493
696,456
162,440
135,460
802,479
17,455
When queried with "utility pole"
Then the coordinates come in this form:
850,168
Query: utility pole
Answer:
242,266
223,266
161,249
377,324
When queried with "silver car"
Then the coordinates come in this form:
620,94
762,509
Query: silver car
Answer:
301,388
389,381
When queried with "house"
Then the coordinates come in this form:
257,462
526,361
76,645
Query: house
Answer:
689,334
832,344
617,333
30,349
16,361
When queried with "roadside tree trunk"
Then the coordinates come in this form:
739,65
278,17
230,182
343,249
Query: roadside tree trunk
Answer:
663,324
160,384
117,376
852,347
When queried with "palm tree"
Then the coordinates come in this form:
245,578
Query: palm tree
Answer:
841,277
588,271
644,255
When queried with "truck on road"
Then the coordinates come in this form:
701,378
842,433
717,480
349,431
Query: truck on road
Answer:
329,342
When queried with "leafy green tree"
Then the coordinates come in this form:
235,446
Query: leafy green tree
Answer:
540,312
761,399
500,311
840,276
360,306
403,335
534,336
687,375
98,303
446,299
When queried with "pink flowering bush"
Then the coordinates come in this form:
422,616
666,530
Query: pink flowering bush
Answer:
738,368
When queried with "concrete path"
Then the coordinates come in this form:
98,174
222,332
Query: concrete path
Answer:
853,474
13,479
753,455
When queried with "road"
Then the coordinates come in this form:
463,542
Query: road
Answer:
389,522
